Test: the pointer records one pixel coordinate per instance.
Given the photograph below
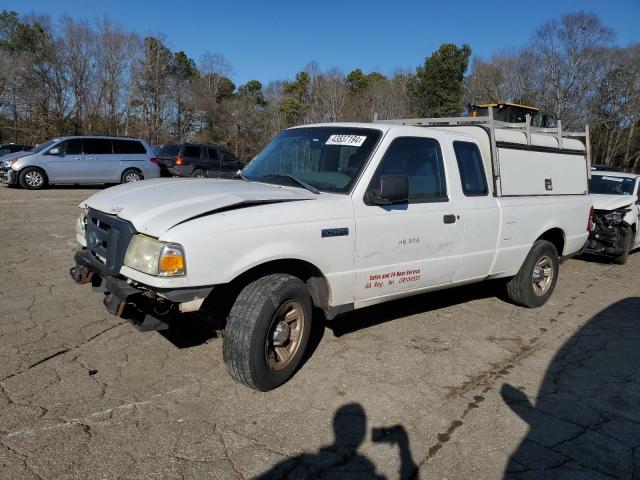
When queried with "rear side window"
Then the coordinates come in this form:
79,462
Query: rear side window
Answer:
97,146
474,181
420,159
191,151
169,150
129,146
212,153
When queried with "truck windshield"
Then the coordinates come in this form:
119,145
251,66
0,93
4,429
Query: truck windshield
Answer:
327,158
611,185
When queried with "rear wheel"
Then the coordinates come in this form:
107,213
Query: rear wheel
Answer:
131,175
32,178
199,173
267,331
534,283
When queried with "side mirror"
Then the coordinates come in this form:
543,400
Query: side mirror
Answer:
55,151
393,189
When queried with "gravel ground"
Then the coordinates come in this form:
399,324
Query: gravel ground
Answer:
457,384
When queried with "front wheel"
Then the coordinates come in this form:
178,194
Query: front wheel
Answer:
534,283
626,246
131,175
32,178
267,331
199,173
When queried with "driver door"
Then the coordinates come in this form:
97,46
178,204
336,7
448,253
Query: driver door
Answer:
69,164
412,245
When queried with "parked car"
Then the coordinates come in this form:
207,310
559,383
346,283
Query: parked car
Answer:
79,160
7,148
197,160
615,230
337,216
597,167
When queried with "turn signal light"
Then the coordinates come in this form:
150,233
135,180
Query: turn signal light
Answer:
590,222
180,160
154,161
171,262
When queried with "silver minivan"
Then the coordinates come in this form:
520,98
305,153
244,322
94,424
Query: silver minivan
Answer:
78,160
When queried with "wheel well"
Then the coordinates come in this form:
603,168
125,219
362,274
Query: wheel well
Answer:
307,272
555,236
34,167
135,169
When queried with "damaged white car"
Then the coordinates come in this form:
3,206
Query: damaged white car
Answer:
614,232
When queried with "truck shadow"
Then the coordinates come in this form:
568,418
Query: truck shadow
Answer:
378,314
191,330
341,459
585,422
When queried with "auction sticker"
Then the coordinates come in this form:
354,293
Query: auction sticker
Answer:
351,140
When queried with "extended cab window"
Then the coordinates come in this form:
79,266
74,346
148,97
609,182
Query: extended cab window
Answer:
474,181
420,159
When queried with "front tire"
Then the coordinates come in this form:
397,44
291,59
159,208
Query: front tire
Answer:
534,283
628,243
267,331
131,175
32,178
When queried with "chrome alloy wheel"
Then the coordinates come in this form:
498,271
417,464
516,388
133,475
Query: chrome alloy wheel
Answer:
34,179
542,275
132,177
285,333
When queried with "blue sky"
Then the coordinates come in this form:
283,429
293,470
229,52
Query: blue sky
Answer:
273,40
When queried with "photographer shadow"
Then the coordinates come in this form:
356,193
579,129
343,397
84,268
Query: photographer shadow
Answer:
341,459
585,421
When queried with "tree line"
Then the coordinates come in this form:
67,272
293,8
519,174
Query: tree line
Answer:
79,77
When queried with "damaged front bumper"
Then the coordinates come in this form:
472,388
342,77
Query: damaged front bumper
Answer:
608,236
147,308
8,176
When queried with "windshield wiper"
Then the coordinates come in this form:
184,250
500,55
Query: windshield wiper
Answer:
302,183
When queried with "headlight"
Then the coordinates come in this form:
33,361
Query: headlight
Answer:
154,257
81,227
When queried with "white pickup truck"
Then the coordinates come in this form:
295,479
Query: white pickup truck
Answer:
337,216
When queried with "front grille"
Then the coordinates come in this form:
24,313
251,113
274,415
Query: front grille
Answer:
107,237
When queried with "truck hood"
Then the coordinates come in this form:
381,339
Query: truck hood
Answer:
611,202
155,206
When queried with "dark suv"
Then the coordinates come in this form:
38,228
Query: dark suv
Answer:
7,148
197,160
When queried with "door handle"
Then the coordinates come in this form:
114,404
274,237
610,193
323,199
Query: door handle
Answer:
449,219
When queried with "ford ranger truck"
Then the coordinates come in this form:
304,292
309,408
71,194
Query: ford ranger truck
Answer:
338,217
616,212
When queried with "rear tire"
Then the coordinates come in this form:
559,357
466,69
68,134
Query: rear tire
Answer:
628,244
199,173
267,331
534,283
32,178
131,175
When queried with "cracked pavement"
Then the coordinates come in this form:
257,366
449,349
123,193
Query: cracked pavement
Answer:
456,384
